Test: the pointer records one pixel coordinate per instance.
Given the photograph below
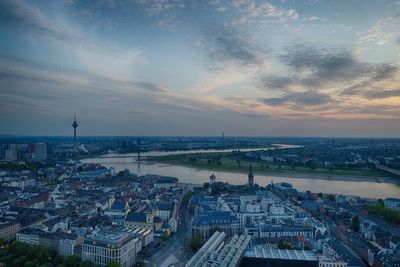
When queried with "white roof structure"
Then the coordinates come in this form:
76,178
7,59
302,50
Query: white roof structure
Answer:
273,253
216,252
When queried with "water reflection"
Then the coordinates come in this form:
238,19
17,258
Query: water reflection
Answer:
191,175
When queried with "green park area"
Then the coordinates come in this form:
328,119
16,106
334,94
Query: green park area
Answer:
378,208
19,254
235,162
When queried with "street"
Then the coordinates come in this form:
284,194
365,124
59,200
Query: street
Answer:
172,250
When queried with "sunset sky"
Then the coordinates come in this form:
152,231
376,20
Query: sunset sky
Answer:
197,67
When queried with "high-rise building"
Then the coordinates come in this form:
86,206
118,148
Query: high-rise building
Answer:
250,175
11,153
40,153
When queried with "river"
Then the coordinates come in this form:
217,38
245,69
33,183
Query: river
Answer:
191,175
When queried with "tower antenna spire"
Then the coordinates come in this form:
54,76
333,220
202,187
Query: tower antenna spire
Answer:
250,176
75,125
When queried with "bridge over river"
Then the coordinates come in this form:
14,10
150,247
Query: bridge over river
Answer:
389,170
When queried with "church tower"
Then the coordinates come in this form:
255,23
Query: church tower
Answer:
250,175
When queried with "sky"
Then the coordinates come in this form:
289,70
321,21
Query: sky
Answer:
198,67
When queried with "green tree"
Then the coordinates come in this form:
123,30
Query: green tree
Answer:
191,211
23,259
164,236
71,261
85,264
387,213
215,190
281,244
195,242
113,264
59,259
29,264
330,197
186,198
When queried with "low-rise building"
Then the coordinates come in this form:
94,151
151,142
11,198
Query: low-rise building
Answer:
392,202
61,242
146,220
8,230
260,230
206,222
165,182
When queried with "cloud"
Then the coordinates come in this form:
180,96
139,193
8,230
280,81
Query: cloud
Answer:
382,32
151,87
255,115
385,71
312,18
251,11
324,64
164,11
54,31
227,45
39,73
308,98
276,82
310,67
33,88
379,94
20,14
156,7
314,68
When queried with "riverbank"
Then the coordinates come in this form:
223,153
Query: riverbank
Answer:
346,185
202,162
167,152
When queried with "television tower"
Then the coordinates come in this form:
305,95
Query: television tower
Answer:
75,125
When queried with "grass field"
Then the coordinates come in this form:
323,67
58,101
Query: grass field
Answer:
229,163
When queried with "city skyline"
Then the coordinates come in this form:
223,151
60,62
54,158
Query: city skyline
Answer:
192,68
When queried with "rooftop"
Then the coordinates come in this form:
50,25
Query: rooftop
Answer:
272,253
216,252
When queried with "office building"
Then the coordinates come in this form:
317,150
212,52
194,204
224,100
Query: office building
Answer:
40,153
101,249
11,153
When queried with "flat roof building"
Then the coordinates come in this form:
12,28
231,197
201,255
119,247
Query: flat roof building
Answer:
220,252
271,257
103,248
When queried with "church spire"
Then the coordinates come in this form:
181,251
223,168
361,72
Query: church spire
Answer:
250,175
